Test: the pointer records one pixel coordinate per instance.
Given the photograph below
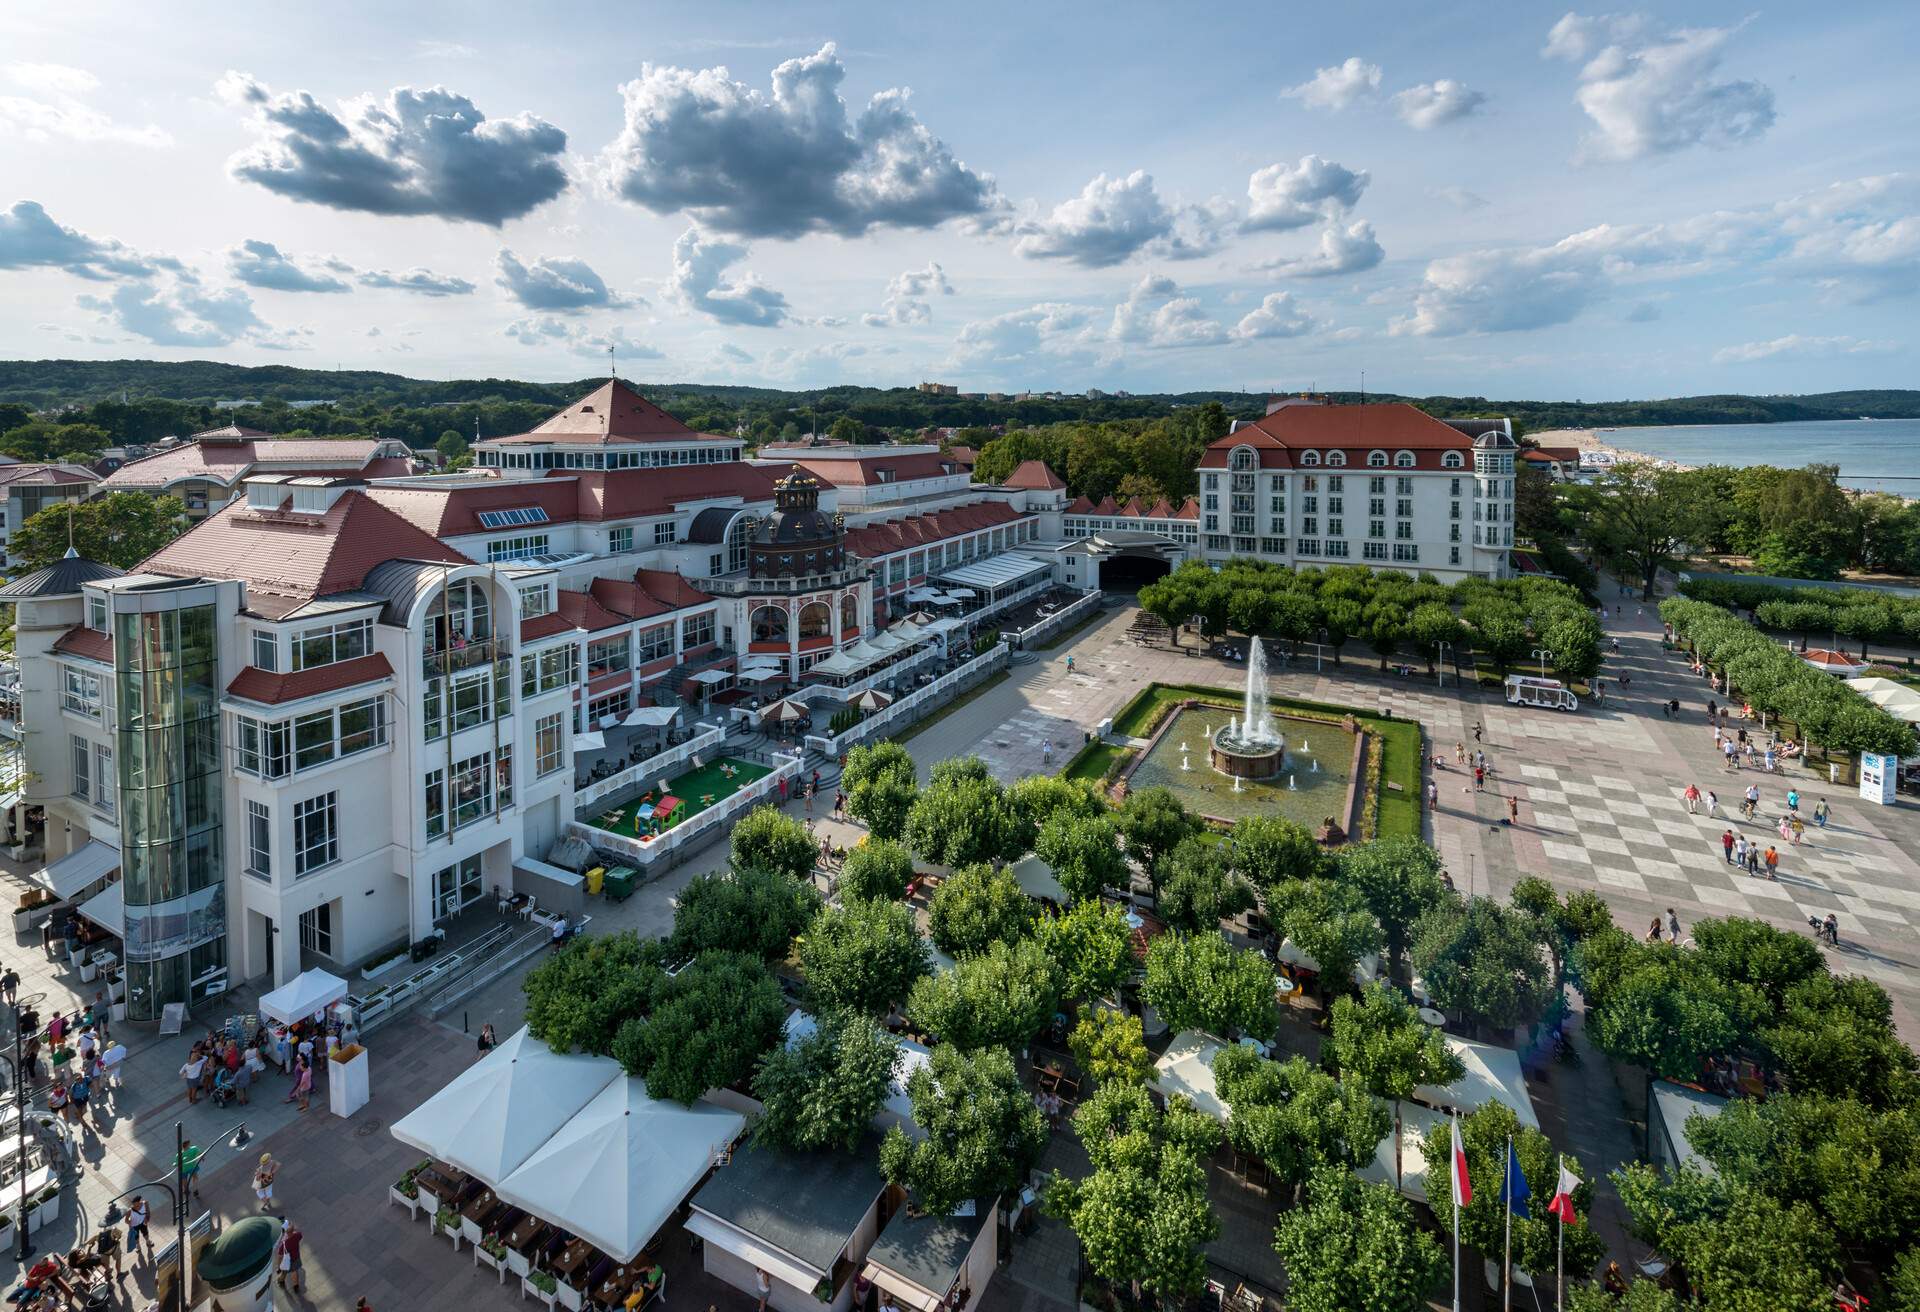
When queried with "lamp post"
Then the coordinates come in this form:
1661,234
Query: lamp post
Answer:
24,1250
1542,655
112,1214
1441,652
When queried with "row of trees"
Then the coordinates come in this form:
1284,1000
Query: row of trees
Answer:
1504,622
1864,614
1776,681
1149,459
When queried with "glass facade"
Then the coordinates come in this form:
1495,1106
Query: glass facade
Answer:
167,673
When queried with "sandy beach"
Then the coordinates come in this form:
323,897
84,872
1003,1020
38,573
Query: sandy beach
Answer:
1602,440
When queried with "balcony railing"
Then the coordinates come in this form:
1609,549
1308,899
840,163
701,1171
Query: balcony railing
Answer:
455,660
741,584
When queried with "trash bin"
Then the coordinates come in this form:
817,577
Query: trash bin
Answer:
1833,772
620,883
594,878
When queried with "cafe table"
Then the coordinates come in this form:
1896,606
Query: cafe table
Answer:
524,1233
441,1183
618,1284
477,1212
572,1258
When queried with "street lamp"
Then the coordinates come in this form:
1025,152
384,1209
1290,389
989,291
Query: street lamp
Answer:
1441,651
183,1283
25,1250
1542,655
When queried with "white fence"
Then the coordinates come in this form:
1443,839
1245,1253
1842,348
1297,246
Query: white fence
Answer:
910,707
653,768
1071,613
655,850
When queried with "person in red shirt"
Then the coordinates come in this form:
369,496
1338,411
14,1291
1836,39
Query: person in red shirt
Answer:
289,1255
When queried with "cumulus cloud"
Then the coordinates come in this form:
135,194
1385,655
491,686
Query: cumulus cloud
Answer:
49,101
260,264
1019,334
1156,313
1282,196
1277,316
551,284
1343,249
177,311
421,282
30,238
1431,104
578,339
1460,198
1114,219
1338,86
786,163
1795,344
907,295
1650,92
699,283
417,152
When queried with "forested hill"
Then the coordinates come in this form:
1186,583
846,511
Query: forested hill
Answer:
44,385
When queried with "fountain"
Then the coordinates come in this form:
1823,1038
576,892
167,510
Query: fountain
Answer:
1185,764
1251,746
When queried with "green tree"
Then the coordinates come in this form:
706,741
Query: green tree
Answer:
1399,879
1142,1215
1084,854
876,870
1271,851
976,907
823,1091
1380,1043
578,998
707,1027
1481,963
1037,798
962,821
1201,982
1485,1134
1000,998
1641,520
1656,1006
983,1133
1092,949
743,910
1199,887
880,783
1110,1045
451,444
119,529
1329,922
1762,1254
767,839
1295,1117
863,957
847,429
1431,626
1152,823
1356,1247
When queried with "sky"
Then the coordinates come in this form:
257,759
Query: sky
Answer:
1504,200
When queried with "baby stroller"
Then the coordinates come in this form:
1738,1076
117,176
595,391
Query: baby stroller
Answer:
222,1095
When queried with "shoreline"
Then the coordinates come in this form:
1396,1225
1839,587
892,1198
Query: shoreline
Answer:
1593,439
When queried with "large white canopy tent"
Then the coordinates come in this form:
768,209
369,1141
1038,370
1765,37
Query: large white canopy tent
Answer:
1187,1068
302,996
651,715
1493,1075
1893,698
1365,971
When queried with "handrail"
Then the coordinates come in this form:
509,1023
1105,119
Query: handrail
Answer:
651,851
501,956
902,709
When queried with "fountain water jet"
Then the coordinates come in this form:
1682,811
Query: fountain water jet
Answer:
1251,746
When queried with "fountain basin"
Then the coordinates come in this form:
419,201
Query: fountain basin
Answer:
1245,760
1223,794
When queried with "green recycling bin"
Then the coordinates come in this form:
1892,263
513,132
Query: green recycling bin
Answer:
620,883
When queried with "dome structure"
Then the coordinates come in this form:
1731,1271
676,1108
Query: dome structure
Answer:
1494,440
798,538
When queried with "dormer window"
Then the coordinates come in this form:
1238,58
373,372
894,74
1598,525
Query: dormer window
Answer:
1376,459
1403,459
1452,460
1309,458
97,614
1243,458
1336,458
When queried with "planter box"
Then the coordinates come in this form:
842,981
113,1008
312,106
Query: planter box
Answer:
518,1263
481,1257
89,972
386,967
411,1204
471,1232
568,1297
527,1289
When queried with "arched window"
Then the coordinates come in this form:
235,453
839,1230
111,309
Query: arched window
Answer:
1451,460
1403,459
849,613
816,620
460,615
739,535
1243,458
1376,459
1309,458
769,624
1337,458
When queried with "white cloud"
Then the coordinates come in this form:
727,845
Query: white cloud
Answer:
177,311
421,282
415,152
1114,219
788,163
1020,335
30,238
55,106
1157,314
1652,93
699,283
1338,86
1280,196
260,264
579,339
1460,198
1278,316
1431,104
1795,344
1342,250
553,283
907,295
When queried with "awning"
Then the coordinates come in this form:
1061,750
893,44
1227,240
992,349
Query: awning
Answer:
1493,1075
960,592
760,663
994,572
654,715
911,1296
1187,1068
590,741
922,594
711,676
729,1239
1894,698
837,664
9,798
301,997
74,872
864,652
762,673
108,910
1036,879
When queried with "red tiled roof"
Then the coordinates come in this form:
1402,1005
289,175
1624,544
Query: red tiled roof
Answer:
917,530
626,493
1388,426
629,601
670,588
1821,656
611,413
297,557
966,455
544,626
1080,506
1035,475
258,685
1188,510
583,612
452,511
223,462
45,475
865,471
90,644
231,431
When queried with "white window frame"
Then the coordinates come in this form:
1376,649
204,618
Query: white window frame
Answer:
316,834
259,839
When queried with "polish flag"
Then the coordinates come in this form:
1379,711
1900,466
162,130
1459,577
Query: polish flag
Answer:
1562,1204
1462,1186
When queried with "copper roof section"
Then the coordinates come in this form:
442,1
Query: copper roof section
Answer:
583,612
89,644
919,530
544,626
1035,476
258,685
1388,426
611,414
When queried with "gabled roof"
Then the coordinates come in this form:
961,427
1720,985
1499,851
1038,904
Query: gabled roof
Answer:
576,495
224,461
669,587
543,626
868,471
258,685
230,431
1388,426
89,643
1036,476
583,612
44,475
288,558
611,414
916,530
63,578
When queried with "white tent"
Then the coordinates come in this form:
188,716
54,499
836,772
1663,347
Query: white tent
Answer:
1036,879
1493,1075
498,1111
897,1107
653,715
1894,698
761,673
837,664
306,993
865,652
711,676
1187,1068
588,742
615,1172
1415,1121
1365,971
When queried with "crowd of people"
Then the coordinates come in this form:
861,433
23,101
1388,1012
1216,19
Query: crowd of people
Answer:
224,1067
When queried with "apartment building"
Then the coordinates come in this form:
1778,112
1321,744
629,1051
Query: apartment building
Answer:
206,471
28,489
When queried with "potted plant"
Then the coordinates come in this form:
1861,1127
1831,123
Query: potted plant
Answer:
406,1190
50,1203
447,1221
823,1290
541,1284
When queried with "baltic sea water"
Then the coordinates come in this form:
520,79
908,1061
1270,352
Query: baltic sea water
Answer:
1879,455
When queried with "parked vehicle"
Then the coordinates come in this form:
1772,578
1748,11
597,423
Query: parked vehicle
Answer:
1529,690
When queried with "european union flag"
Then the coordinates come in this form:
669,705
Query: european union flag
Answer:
1513,1190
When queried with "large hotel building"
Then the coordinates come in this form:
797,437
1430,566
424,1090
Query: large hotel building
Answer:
343,704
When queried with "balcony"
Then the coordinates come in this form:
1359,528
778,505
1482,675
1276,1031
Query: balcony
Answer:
740,584
458,659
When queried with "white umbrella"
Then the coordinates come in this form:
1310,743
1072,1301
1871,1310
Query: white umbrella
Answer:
653,715
588,742
872,700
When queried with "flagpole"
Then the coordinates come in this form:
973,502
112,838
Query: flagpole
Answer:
1560,1256
1459,1217
1506,1261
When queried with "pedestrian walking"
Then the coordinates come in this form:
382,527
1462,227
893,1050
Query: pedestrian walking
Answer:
1733,762
189,1167
1653,932
137,1237
1673,925
288,1256
1459,753
1798,829
840,798
1773,862
58,1098
243,1082
486,1041
1480,759
10,985
303,1084
263,1177
1692,798
1785,827
191,1071
1820,812
762,1286
1793,799
1479,777
1713,708
1726,842
1717,737
78,1094
1476,731
1513,809
1753,859
1433,795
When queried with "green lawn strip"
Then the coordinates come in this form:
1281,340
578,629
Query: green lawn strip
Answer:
952,706
1092,762
690,788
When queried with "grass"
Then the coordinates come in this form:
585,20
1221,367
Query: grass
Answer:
1092,762
698,789
1400,746
952,706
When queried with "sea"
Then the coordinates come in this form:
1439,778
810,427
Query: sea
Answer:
1874,455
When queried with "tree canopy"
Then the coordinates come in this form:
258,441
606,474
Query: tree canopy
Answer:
983,1133
881,783
119,529
579,996
1092,948
976,907
705,1027
768,839
1084,853
1201,982
745,909
1482,963
876,870
1000,997
823,1091
1356,1247
863,956
1295,1117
